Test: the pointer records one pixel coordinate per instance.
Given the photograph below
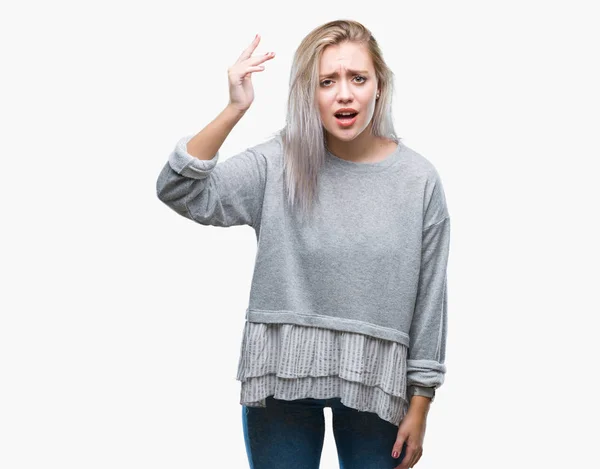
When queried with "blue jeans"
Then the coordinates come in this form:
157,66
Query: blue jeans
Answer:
290,434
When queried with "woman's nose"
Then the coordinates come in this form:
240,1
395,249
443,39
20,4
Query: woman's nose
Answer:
344,91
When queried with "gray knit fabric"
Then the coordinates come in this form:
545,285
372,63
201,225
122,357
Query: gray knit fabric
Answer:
369,264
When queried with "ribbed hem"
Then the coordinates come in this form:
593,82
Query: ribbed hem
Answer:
327,322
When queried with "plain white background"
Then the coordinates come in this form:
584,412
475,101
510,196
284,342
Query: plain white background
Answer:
121,321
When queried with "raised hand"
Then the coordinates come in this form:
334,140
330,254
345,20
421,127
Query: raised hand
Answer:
241,92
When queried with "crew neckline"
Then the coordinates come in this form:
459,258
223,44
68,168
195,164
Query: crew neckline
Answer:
365,167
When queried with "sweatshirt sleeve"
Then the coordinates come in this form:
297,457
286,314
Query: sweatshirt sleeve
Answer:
427,350
224,194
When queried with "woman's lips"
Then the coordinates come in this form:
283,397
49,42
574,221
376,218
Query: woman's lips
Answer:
346,122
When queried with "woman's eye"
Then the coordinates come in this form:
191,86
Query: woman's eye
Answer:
357,76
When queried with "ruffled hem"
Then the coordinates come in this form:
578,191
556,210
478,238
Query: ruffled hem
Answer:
355,395
290,361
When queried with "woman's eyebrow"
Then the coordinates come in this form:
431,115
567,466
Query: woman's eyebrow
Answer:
335,74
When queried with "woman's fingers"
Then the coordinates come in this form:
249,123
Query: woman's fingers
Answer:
409,458
412,455
253,64
258,68
257,59
248,50
418,457
254,60
413,459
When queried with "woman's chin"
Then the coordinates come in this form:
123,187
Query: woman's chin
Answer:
344,134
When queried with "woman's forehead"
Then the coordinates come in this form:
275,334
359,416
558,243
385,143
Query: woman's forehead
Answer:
344,59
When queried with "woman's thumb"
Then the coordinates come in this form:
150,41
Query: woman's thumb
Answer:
397,448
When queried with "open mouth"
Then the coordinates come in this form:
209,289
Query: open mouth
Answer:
346,116
345,120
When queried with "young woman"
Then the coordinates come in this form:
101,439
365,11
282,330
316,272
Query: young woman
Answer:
348,304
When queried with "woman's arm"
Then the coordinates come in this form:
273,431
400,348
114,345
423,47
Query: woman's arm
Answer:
426,357
224,194
206,143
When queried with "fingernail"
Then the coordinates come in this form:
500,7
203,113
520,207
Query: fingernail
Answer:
395,454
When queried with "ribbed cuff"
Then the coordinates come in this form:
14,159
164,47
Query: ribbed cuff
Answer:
421,391
187,165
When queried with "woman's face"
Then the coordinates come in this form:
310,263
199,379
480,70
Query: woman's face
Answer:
346,80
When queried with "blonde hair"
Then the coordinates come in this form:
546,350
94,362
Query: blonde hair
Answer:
303,135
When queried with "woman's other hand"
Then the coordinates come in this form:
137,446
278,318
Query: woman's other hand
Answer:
412,431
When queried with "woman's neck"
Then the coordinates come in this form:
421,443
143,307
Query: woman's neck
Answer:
368,149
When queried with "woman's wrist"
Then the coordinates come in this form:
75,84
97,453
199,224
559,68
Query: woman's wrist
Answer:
419,404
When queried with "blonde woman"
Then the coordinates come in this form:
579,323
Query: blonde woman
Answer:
348,303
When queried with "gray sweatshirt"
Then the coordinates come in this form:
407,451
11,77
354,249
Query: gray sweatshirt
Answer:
372,259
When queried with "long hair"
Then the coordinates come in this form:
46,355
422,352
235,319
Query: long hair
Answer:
303,136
